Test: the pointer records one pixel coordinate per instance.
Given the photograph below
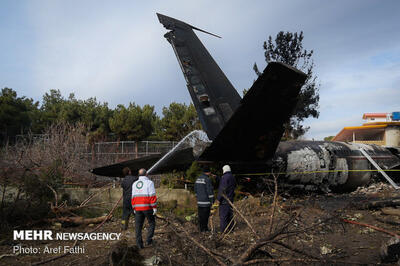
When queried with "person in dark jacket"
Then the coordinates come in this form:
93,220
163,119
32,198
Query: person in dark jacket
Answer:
205,197
127,194
227,186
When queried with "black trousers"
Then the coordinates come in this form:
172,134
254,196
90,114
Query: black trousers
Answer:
126,213
139,221
204,214
225,216
126,210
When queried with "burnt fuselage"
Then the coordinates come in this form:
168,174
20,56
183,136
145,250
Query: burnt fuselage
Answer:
331,165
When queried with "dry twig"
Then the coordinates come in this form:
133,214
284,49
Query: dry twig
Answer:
373,227
271,220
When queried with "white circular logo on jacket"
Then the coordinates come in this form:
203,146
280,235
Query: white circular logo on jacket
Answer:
139,185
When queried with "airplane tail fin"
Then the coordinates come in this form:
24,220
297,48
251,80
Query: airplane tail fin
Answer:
247,129
255,129
213,96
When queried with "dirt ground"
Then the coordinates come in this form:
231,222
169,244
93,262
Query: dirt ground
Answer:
305,229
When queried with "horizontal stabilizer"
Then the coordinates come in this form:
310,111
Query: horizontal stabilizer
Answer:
115,170
255,129
178,160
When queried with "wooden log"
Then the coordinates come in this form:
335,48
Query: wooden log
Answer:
375,204
391,211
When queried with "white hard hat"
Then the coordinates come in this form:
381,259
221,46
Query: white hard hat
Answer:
226,168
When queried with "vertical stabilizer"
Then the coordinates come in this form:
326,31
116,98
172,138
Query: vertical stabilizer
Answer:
213,96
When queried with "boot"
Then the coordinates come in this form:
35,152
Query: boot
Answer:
124,225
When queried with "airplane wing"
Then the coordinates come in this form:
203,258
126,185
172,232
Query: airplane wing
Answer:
115,170
255,129
179,158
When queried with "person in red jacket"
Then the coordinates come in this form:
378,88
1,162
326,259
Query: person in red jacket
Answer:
144,204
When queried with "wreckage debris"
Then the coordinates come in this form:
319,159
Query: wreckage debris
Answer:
374,188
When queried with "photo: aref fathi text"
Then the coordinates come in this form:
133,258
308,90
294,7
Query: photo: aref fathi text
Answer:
49,250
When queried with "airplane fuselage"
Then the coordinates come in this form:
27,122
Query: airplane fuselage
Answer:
332,165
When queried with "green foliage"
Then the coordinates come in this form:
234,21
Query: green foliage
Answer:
193,172
51,109
20,115
133,123
16,114
178,120
329,138
288,48
90,112
171,180
96,115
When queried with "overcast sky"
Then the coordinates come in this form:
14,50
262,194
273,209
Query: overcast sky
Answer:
115,50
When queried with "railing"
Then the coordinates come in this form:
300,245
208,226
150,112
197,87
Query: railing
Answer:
140,148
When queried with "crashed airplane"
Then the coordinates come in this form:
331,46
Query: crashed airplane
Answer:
246,133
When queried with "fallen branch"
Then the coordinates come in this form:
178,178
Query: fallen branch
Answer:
270,238
79,220
230,226
108,216
83,203
257,261
387,220
301,252
376,204
66,209
373,227
391,211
